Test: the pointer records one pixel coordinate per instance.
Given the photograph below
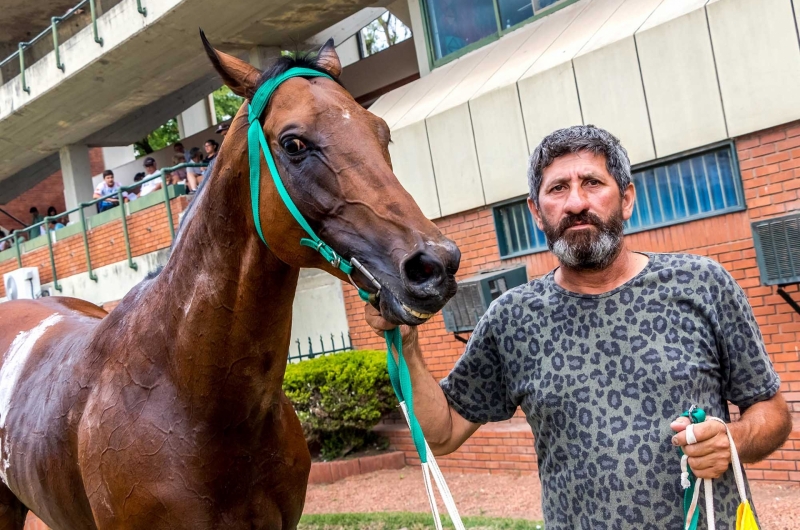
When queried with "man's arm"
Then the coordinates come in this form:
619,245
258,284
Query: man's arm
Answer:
762,429
444,428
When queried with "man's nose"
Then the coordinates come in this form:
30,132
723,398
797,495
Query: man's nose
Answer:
576,201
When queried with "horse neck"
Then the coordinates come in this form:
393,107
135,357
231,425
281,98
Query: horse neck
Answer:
225,300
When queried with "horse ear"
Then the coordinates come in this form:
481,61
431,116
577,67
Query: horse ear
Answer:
328,59
239,76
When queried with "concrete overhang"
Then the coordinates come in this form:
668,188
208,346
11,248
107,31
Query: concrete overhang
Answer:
145,65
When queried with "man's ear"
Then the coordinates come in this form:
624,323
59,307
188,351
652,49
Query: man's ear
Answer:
328,59
535,213
239,76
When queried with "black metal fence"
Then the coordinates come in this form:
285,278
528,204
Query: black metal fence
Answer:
312,350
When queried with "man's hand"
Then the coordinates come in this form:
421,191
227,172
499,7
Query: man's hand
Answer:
710,456
379,325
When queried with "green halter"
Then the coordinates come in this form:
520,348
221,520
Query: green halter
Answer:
399,376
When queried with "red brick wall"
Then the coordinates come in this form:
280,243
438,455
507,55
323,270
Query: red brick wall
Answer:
770,168
49,192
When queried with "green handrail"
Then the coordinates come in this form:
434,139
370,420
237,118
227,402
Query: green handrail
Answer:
49,235
54,25
97,38
123,189
140,9
21,52
124,216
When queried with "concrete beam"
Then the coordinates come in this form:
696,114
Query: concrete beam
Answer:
77,174
263,56
194,119
344,29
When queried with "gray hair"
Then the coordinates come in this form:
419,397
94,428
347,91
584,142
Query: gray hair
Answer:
572,140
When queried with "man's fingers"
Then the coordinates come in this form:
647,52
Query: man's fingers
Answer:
375,320
702,432
680,424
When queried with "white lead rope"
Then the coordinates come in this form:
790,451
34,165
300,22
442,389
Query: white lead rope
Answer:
432,468
708,483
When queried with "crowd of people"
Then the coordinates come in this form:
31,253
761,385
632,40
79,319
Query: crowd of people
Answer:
109,189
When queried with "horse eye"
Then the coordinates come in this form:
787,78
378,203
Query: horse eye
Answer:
294,146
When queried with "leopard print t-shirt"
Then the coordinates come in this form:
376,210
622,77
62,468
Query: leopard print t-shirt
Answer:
601,377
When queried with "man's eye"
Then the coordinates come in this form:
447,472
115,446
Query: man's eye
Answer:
294,146
559,187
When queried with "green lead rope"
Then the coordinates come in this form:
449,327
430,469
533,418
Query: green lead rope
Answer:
401,383
696,415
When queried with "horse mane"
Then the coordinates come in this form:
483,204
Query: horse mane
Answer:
296,59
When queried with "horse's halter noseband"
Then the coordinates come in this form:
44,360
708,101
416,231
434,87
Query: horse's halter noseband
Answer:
255,138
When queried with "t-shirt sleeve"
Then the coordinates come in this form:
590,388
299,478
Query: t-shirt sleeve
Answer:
99,188
747,372
476,387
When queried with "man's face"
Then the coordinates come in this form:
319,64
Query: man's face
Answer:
149,169
178,148
109,180
581,211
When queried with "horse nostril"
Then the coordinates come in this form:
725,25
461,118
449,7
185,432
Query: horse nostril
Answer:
422,268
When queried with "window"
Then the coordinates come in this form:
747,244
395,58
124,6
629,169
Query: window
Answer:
386,30
667,192
457,24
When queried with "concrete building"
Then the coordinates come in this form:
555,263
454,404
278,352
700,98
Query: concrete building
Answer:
703,94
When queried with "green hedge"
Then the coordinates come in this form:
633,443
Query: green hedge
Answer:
340,398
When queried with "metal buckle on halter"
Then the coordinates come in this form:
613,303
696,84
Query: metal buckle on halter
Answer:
336,261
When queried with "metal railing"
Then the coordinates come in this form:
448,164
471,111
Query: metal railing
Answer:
347,344
52,29
14,238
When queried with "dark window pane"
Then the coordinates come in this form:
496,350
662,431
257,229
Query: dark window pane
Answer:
726,176
513,12
688,187
458,23
678,201
516,230
664,194
701,184
541,4
712,171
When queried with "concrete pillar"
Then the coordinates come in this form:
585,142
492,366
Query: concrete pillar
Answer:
418,30
76,172
194,119
263,56
115,157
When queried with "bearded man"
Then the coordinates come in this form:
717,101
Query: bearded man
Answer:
604,353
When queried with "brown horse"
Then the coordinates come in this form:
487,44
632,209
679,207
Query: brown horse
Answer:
168,412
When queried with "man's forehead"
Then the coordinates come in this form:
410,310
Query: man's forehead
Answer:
577,164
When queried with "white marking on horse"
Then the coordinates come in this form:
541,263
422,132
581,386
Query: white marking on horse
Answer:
14,361
346,114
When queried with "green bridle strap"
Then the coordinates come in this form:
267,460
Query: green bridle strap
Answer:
399,375
256,139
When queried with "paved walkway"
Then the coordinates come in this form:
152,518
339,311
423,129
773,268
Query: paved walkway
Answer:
499,496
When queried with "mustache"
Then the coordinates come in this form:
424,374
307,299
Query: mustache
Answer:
584,217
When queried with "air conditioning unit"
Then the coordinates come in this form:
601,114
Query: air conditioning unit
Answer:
474,295
777,243
22,284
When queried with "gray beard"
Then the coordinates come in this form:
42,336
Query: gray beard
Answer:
599,254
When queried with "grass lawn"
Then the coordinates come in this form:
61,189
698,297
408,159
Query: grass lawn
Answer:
406,520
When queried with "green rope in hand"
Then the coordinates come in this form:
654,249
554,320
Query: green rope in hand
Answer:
401,383
696,415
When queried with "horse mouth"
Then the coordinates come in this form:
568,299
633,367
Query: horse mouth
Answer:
417,314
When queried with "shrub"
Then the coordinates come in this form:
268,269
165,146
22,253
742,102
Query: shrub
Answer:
340,398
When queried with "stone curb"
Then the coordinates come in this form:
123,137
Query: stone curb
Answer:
330,472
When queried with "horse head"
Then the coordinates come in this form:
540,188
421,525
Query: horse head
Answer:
332,157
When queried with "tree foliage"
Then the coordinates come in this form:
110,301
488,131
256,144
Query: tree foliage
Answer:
226,103
165,135
384,31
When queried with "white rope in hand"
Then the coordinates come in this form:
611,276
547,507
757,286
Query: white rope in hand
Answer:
708,483
432,468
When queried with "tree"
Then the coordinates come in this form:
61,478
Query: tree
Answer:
386,30
165,135
226,103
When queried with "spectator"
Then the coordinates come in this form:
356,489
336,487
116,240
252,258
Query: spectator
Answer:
179,175
134,193
107,189
222,130
211,147
180,151
4,244
35,218
194,175
150,169
55,223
